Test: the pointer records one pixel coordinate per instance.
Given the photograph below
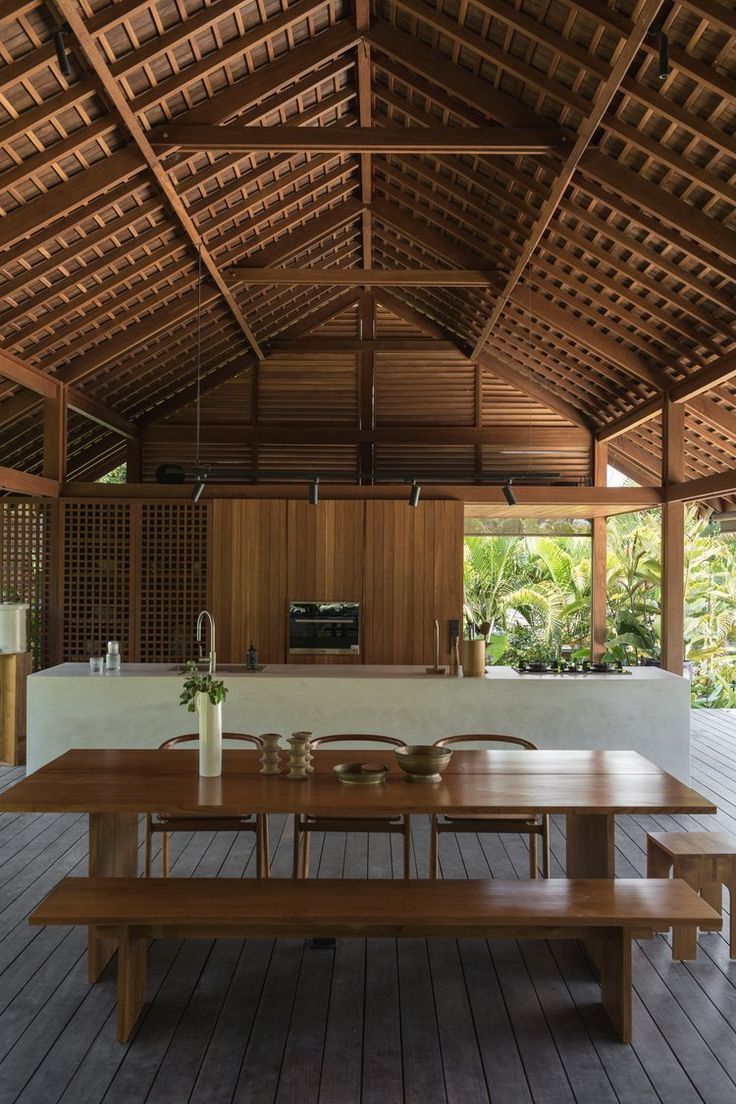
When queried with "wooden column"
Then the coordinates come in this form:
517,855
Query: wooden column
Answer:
366,383
54,435
599,551
14,671
673,540
133,460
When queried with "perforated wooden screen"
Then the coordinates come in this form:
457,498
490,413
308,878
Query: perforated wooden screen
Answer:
173,580
98,540
133,572
25,560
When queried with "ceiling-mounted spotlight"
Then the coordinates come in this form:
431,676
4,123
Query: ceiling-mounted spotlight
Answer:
199,486
508,494
664,55
61,55
314,492
414,493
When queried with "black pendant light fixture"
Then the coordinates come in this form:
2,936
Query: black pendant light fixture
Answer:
414,493
200,470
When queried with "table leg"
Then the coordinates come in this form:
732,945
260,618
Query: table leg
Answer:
590,851
113,853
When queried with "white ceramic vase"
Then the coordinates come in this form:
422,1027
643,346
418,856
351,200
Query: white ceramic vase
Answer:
210,737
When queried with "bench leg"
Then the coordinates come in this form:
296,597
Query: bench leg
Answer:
113,853
613,953
434,848
132,951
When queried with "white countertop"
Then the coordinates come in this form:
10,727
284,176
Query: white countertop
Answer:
343,671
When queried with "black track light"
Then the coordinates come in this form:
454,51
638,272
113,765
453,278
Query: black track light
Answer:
314,492
414,493
61,55
508,494
664,56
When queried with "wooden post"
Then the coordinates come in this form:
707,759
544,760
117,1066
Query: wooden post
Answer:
54,435
599,552
366,396
134,460
673,541
14,671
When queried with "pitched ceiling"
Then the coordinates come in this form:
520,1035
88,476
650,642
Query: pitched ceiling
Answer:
613,256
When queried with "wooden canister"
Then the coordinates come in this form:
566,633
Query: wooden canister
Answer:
474,657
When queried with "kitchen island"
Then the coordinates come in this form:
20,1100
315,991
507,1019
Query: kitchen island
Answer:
643,709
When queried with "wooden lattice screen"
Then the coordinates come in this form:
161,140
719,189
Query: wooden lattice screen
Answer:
173,580
134,572
25,559
97,573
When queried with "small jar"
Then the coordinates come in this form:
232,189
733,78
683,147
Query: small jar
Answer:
113,655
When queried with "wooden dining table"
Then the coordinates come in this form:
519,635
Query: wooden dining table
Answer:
115,786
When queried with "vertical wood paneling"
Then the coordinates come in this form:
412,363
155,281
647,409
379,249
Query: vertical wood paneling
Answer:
325,558
413,574
247,584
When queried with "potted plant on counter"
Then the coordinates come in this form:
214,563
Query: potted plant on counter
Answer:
204,695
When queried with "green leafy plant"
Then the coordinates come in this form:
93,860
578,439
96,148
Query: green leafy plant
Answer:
197,683
535,593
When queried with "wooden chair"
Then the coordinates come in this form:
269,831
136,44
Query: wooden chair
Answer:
707,862
531,826
304,825
203,823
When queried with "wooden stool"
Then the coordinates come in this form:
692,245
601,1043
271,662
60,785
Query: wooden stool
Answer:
707,862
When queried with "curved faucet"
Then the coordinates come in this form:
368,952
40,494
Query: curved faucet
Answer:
213,650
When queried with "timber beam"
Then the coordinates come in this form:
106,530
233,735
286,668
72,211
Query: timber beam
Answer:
376,277
544,438
478,141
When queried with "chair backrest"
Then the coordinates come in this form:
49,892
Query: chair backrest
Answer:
359,737
484,738
193,737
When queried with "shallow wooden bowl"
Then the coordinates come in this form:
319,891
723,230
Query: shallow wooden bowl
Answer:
423,762
360,774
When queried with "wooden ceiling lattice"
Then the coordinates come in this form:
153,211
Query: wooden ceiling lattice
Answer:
612,258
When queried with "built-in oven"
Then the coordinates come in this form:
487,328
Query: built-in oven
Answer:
324,628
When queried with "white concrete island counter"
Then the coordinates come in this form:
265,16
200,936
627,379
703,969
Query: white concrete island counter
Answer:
645,709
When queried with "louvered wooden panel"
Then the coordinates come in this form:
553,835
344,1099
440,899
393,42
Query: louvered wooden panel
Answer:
407,461
344,324
302,459
231,402
424,389
571,464
503,404
98,567
309,387
413,574
26,537
388,325
227,453
173,572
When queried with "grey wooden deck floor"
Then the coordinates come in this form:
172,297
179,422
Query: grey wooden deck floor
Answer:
376,1022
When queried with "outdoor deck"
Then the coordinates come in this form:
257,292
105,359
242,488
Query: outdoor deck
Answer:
382,1021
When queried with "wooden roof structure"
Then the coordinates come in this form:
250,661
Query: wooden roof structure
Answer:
528,232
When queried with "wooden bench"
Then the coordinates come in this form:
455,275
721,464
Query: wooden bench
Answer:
707,862
607,914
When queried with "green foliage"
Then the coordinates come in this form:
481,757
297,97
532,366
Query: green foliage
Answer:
535,593
197,683
117,475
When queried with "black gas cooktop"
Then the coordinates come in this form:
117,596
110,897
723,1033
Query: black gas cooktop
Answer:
571,669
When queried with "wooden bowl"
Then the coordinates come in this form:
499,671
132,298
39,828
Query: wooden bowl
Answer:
360,774
423,762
